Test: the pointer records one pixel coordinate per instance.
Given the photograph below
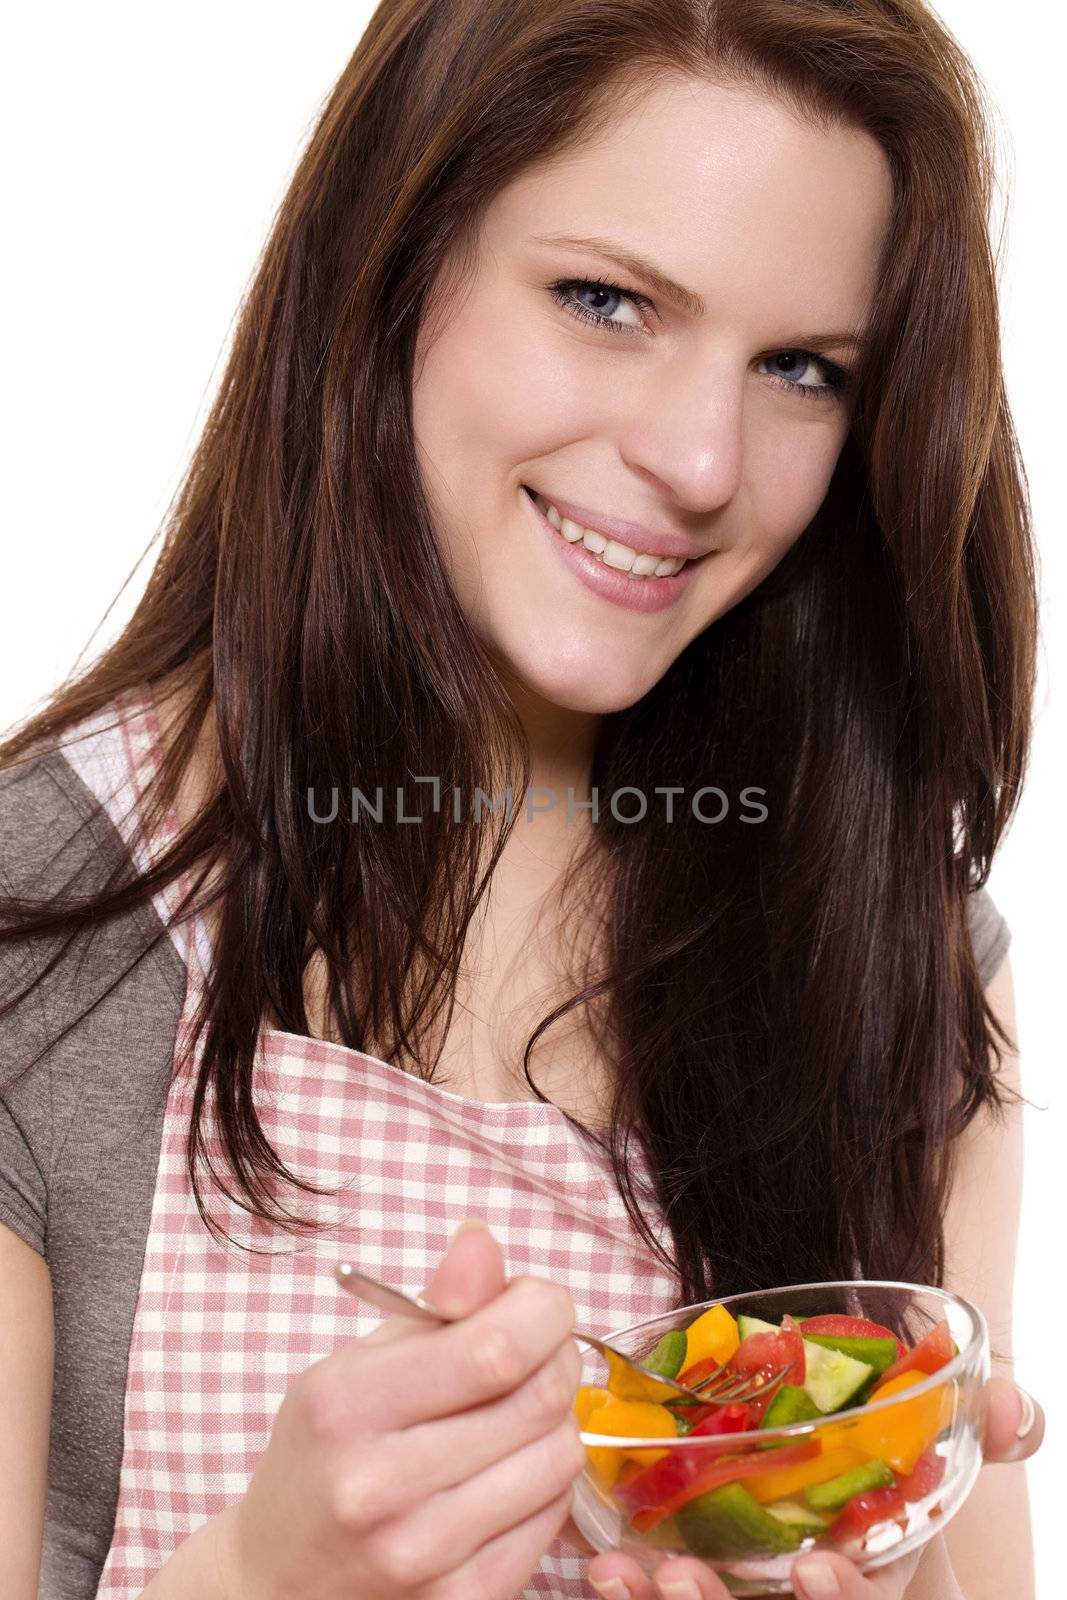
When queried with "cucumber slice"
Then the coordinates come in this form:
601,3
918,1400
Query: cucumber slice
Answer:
876,1353
809,1524
747,1325
837,1492
831,1378
667,1358
729,1522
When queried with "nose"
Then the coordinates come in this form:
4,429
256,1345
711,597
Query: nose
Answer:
684,427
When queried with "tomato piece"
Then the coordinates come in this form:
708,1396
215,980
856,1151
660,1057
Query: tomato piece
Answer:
923,1477
762,1354
863,1511
841,1327
699,1371
929,1355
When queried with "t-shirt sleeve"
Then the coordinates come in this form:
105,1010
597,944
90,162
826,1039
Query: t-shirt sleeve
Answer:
23,1191
990,934
53,837
31,810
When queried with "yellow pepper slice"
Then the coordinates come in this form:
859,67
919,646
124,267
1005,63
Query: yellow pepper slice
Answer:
901,1433
821,1468
713,1335
606,1463
587,1400
637,1418
626,1384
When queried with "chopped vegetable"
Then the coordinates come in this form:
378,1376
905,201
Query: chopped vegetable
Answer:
864,1512
712,1336
837,1492
850,1328
830,1485
929,1355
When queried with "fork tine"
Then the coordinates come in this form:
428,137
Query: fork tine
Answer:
726,1388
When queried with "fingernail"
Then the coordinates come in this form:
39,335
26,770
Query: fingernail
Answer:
1027,1413
611,1588
681,1589
817,1579
472,1222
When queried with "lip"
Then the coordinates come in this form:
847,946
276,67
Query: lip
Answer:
648,541
633,594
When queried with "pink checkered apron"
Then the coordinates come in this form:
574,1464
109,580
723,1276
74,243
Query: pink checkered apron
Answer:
220,1334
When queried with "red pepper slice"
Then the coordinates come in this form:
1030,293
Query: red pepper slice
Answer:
697,1471
929,1355
841,1327
670,1474
719,1419
863,1511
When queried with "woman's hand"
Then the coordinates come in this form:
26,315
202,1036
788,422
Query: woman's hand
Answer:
420,1460
825,1576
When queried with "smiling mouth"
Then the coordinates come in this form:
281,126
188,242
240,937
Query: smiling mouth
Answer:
609,552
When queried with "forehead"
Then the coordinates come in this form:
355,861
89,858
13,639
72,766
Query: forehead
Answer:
728,191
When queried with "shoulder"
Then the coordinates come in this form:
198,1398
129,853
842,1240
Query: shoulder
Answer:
85,1019
989,933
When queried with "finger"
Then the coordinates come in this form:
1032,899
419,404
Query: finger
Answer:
452,1526
457,1365
612,1574
1015,1423
471,1272
504,1564
444,1452
829,1576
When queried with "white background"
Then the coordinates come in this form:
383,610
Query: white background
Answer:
145,150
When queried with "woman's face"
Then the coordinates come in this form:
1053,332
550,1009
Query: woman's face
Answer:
707,429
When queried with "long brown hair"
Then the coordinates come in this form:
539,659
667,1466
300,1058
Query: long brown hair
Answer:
797,1026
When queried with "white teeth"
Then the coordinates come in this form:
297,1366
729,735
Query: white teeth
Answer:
612,551
618,555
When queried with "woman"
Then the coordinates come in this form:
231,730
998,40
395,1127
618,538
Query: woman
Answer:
616,412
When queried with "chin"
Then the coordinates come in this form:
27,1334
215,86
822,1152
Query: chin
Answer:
584,692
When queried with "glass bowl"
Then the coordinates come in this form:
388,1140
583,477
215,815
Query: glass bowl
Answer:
717,1497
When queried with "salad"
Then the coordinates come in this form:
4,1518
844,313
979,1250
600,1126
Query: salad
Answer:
836,1485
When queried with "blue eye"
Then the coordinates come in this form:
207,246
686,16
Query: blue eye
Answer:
566,288
800,361
607,298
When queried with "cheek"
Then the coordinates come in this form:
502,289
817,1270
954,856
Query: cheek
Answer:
788,476
490,387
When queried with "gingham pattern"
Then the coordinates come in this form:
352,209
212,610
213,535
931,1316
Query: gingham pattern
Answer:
219,1334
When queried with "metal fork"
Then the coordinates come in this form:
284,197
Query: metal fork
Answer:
720,1388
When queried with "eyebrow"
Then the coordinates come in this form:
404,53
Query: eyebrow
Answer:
686,299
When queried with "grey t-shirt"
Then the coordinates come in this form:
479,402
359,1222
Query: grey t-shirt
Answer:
80,1130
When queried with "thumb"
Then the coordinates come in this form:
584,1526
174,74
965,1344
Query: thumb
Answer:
469,1274
471,1271
1015,1423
